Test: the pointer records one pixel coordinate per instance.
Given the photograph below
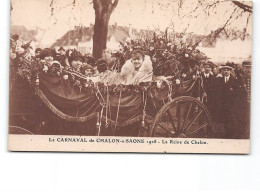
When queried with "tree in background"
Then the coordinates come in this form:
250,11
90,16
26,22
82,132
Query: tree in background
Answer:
103,10
232,11
182,8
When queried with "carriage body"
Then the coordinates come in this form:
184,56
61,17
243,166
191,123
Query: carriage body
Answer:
163,108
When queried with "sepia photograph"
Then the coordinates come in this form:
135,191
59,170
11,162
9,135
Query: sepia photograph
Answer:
130,72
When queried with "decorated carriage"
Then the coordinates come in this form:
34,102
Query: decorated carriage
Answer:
57,100
162,108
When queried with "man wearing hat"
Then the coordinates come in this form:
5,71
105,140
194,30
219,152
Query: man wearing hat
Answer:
226,100
62,51
244,95
208,85
247,78
61,57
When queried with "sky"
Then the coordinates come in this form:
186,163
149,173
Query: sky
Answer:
141,14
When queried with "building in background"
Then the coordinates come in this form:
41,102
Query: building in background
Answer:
234,46
81,38
231,45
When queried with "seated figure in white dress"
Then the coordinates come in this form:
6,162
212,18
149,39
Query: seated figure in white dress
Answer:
138,69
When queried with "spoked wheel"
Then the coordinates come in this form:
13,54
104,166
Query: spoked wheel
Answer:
19,131
184,117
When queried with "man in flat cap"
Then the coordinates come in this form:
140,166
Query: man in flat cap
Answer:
244,95
226,101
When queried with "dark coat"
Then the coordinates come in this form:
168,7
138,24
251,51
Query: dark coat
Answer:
61,59
244,96
226,104
208,85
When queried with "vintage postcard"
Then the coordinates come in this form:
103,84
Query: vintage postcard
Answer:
157,76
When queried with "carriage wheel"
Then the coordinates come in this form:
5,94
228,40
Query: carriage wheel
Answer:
19,131
184,117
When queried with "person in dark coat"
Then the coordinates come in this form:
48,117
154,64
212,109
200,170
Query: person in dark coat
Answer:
61,57
227,88
244,95
208,85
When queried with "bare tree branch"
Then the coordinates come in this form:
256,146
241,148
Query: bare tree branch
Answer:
219,30
228,22
194,10
214,4
243,6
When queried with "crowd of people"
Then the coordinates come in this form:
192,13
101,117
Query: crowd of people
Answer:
226,88
228,96
72,60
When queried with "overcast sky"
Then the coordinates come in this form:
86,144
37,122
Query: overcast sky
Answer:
139,13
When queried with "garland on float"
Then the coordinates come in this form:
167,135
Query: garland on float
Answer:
60,114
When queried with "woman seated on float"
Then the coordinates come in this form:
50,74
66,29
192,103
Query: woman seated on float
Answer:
138,69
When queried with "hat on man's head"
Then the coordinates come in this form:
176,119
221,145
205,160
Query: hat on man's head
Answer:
246,63
61,48
209,63
228,65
